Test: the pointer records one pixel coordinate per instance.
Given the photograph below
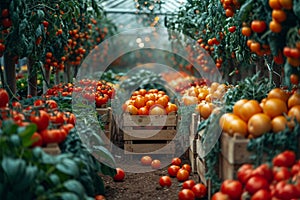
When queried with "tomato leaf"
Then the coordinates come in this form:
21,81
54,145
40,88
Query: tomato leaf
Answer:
245,9
296,8
14,169
75,187
28,179
69,167
103,155
26,133
69,196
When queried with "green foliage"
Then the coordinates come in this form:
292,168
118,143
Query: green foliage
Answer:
33,174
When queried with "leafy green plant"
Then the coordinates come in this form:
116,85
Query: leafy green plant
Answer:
28,173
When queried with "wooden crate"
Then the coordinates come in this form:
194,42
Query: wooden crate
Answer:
52,149
107,122
147,133
234,149
193,137
229,170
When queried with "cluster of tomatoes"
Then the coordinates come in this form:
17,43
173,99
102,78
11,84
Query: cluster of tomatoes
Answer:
230,6
204,96
53,125
250,118
99,91
190,190
293,55
265,182
151,102
51,61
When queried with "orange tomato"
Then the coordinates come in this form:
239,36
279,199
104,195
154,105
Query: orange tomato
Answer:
275,26
237,126
163,101
259,124
294,100
287,4
274,107
237,106
157,110
225,120
150,103
131,109
205,110
279,15
279,94
249,108
139,102
246,31
143,111
255,47
294,113
279,123
171,107
274,4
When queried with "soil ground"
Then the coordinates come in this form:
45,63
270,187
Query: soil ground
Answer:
145,186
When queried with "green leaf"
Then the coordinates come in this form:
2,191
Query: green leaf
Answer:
27,180
9,127
106,170
75,187
296,8
14,169
103,155
54,179
69,196
40,15
244,11
68,167
26,132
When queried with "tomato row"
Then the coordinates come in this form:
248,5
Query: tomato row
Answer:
151,102
265,182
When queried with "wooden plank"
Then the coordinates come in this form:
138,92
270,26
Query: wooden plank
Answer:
194,124
105,114
228,170
192,158
150,148
52,149
149,120
149,134
234,149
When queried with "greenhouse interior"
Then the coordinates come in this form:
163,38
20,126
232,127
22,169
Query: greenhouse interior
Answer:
150,99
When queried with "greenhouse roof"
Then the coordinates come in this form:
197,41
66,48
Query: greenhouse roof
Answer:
129,14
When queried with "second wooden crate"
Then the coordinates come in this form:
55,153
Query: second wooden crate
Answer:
153,134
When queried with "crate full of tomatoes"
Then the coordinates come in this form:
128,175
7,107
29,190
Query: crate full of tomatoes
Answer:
149,122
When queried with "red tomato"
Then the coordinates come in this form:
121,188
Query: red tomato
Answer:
51,136
244,173
220,196
37,140
295,169
40,118
165,181
199,190
172,170
143,111
5,13
38,102
232,29
186,194
189,184
6,22
264,171
262,195
100,197
232,188
155,164
146,160
187,167
281,173
4,98
256,183
258,26
51,104
58,118
182,175
120,175
176,161
71,119
284,159
286,191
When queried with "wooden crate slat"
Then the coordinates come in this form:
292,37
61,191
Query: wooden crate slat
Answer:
229,170
194,124
192,158
149,134
149,120
150,148
52,149
106,114
234,149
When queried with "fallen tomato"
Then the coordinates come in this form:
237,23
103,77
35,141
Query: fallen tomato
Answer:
120,175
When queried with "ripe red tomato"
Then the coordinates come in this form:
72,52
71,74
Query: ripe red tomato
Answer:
155,164
284,159
172,170
143,111
295,168
220,196
294,78
5,13
38,102
120,175
189,184
51,136
262,195
100,197
232,29
256,183
286,191
6,22
4,98
165,181
40,118
258,26
281,173
187,167
264,171
199,190
146,160
182,175
51,104
58,118
176,161
186,194
37,140
244,173
46,24
232,188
